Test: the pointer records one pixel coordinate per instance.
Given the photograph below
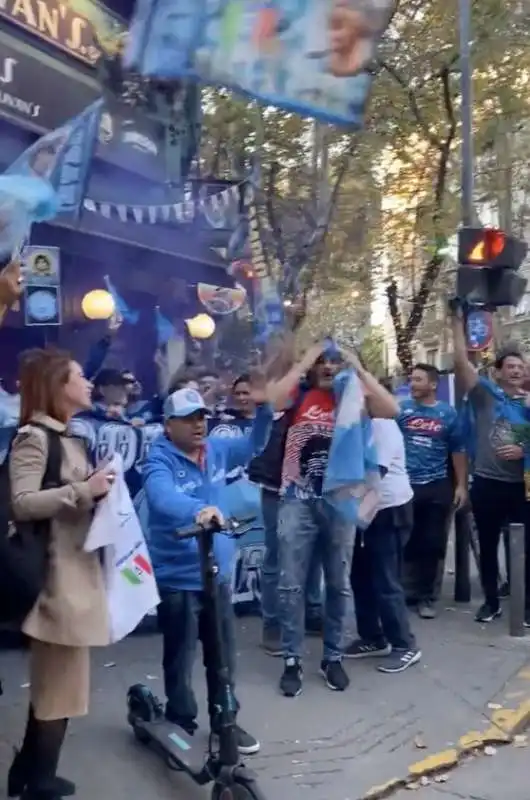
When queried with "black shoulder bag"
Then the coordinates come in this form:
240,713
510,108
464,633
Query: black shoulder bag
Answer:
24,545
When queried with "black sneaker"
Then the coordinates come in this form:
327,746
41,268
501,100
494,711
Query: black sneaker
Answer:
400,660
247,744
334,675
188,725
504,590
359,648
271,642
487,613
291,680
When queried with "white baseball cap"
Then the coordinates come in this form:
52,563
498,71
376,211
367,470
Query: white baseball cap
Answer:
183,403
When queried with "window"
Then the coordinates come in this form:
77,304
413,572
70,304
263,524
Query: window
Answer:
431,356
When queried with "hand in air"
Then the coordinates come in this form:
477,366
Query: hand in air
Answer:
208,515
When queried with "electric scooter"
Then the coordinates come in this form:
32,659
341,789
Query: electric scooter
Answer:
223,766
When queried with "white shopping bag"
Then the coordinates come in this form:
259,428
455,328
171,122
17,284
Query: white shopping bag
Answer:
130,582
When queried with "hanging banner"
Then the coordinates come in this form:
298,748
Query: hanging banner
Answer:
268,309
41,268
307,56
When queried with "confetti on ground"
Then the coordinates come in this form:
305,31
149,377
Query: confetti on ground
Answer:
419,743
494,706
521,740
490,751
109,664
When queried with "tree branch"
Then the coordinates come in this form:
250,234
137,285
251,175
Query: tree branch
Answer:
413,104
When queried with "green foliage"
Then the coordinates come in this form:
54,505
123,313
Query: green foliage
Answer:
395,185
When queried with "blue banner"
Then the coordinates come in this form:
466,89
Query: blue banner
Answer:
307,56
63,158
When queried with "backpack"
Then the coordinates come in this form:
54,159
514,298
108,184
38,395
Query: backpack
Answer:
266,469
24,545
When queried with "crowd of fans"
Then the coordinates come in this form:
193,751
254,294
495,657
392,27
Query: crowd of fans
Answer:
314,559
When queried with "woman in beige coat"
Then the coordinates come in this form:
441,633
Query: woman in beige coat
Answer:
70,614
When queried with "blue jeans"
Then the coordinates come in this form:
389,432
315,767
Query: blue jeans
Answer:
380,606
270,507
302,525
183,620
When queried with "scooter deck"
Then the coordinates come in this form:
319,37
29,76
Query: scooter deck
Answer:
176,744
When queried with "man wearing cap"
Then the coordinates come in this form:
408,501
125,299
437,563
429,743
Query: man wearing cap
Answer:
184,477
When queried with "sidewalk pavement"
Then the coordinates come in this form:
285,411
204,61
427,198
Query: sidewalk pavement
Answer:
502,776
322,745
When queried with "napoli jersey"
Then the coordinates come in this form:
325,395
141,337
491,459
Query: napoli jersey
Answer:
431,434
106,437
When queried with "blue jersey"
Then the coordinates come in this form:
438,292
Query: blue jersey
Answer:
131,439
431,434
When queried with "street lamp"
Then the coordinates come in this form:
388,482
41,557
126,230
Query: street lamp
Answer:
201,326
98,304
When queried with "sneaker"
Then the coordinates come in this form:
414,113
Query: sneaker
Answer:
359,648
291,680
188,725
504,590
527,618
247,744
271,642
426,609
487,613
314,626
334,675
400,660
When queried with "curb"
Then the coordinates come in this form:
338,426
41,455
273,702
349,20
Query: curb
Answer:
505,725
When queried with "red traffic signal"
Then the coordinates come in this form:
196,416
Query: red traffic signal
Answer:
489,247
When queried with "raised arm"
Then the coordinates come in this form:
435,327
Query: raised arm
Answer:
379,401
280,391
464,370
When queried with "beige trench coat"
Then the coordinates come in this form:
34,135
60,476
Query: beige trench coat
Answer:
72,609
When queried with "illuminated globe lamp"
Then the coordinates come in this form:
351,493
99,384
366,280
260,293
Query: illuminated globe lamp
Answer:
201,326
98,304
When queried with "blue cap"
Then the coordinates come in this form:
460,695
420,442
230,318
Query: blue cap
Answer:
183,403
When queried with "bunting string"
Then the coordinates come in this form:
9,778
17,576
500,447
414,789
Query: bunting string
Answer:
220,209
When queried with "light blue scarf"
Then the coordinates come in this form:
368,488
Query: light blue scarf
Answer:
352,478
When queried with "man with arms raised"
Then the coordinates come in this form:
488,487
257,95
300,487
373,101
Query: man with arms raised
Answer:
498,492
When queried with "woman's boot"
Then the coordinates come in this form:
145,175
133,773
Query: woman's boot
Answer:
34,767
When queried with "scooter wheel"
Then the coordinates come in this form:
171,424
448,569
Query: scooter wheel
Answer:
142,706
239,790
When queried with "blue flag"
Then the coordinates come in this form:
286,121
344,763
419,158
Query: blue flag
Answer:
63,158
307,56
127,314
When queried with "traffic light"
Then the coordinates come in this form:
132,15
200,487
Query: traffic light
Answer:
488,262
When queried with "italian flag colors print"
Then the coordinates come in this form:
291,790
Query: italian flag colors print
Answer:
139,567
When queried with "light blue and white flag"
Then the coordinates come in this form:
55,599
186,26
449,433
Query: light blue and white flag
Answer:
62,157
352,479
124,312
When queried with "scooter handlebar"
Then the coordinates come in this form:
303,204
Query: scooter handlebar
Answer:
232,526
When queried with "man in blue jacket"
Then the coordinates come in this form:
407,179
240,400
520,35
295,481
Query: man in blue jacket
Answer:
184,480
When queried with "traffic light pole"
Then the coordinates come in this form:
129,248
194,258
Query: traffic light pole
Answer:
467,110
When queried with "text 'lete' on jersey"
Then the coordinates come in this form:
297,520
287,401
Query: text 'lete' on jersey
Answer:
431,434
